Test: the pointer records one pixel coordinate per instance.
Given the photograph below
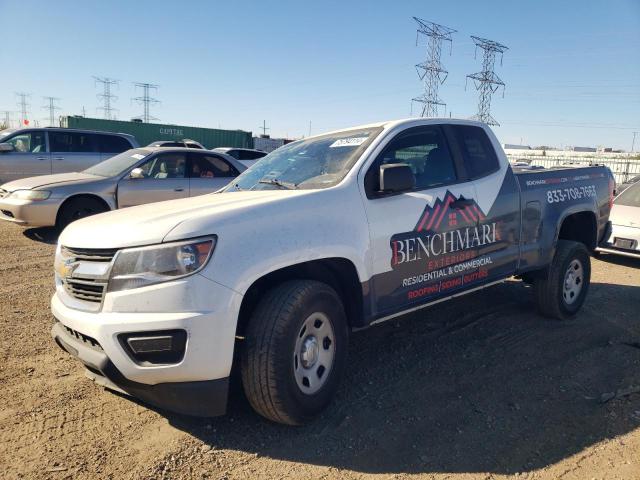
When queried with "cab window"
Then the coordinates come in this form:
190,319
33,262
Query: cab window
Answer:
425,150
28,142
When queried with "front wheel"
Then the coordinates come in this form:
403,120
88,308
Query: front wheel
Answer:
77,208
562,289
295,351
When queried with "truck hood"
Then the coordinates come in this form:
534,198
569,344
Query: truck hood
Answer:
150,223
49,181
625,215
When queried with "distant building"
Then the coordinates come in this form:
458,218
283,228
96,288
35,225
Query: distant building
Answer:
511,146
582,149
268,144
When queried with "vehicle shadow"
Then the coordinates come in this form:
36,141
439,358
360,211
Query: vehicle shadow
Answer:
481,384
48,235
619,260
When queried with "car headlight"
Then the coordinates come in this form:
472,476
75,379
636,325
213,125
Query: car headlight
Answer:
139,267
30,194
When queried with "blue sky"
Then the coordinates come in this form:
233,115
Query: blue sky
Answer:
572,71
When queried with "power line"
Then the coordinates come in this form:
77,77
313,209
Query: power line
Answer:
24,107
431,71
52,107
486,81
146,100
107,97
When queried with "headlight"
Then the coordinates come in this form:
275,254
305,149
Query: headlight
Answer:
138,267
30,194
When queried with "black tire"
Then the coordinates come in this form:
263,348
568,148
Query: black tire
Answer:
78,208
553,300
269,358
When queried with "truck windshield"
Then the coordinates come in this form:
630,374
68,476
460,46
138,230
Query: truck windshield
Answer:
630,197
318,162
118,164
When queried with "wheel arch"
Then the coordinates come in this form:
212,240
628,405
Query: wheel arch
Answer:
579,226
339,273
77,196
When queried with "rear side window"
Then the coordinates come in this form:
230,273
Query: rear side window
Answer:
72,142
478,153
237,154
253,155
113,144
209,166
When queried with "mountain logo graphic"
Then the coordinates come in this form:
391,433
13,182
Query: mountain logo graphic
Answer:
455,211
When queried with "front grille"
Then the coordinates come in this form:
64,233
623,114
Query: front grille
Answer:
89,341
90,254
88,290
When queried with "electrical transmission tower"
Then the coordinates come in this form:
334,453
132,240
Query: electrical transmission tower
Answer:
51,107
7,118
431,71
486,81
146,100
24,107
107,97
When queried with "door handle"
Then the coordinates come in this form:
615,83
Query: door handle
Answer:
58,158
178,189
462,203
42,158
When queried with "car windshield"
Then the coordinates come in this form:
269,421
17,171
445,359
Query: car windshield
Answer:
8,131
118,164
318,162
630,197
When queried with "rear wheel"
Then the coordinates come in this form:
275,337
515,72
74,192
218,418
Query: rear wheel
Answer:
562,289
78,208
295,351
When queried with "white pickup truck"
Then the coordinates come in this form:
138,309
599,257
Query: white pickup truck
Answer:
322,237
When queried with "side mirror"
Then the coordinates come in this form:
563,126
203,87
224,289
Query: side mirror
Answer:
136,173
396,177
6,147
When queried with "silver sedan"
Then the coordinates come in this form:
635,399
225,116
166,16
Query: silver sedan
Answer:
625,224
137,176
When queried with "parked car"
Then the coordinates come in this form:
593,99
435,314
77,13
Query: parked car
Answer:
247,156
177,143
42,151
324,236
625,220
137,176
623,186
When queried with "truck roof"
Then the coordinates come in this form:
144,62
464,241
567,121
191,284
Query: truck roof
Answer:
408,121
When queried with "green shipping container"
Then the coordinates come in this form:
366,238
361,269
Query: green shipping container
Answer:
146,133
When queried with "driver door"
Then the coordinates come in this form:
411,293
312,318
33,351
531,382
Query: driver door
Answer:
410,252
28,158
164,179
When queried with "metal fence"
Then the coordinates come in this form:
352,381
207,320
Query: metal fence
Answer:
623,169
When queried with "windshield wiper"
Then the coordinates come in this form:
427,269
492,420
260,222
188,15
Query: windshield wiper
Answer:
278,183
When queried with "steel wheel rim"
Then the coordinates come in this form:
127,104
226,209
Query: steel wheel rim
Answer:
314,353
573,282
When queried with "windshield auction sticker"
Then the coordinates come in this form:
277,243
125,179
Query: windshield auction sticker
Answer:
349,142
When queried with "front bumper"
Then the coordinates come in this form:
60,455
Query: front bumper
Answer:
40,213
205,310
201,398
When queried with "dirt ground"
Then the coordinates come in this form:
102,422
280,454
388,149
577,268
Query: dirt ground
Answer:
480,387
